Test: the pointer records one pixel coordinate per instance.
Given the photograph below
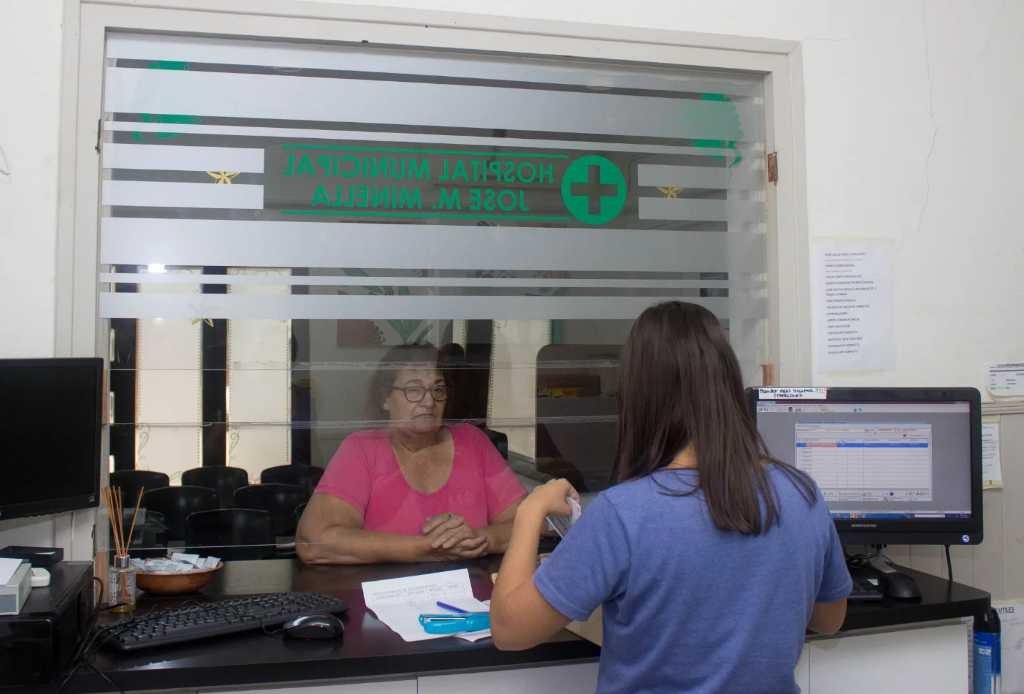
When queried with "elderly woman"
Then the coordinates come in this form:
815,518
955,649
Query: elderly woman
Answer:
417,490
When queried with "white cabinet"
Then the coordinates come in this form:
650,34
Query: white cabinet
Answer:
563,679
923,660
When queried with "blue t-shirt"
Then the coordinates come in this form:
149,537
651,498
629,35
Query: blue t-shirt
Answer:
689,607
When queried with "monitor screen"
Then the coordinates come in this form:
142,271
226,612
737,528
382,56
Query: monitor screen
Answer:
50,413
888,461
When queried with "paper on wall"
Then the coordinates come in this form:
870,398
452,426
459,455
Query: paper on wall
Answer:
399,602
1011,621
852,295
1006,380
991,469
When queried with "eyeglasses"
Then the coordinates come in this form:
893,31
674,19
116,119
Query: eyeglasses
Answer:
414,394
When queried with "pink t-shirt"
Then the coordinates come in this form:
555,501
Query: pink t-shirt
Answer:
364,472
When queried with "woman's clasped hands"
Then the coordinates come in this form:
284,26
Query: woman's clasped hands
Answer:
452,538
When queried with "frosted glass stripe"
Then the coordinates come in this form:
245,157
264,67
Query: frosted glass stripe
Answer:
179,158
280,54
167,194
741,177
384,281
141,241
691,209
748,151
306,98
372,307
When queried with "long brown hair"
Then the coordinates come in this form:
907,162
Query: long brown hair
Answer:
681,384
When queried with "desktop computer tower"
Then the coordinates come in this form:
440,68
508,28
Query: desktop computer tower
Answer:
38,644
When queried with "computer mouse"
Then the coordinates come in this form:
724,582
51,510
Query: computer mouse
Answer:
314,626
899,586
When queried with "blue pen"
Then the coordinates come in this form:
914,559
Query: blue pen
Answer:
451,608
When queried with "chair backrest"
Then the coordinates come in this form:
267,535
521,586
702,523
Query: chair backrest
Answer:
224,480
230,533
577,412
280,500
302,475
175,503
498,439
131,481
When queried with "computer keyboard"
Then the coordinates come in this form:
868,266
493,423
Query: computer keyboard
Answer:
864,590
197,621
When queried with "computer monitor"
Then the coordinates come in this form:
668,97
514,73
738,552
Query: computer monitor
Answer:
50,430
896,465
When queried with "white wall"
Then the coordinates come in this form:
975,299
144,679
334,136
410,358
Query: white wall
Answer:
30,61
913,113
912,131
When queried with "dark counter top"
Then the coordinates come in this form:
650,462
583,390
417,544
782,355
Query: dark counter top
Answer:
372,651
369,649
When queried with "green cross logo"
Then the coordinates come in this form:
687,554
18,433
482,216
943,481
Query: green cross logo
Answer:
594,189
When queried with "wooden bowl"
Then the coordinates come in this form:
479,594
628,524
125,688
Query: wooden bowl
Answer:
172,582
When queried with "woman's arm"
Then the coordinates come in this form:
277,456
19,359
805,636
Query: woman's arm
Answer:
828,617
330,532
499,533
520,616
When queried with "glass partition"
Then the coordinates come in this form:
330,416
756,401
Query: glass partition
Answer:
277,216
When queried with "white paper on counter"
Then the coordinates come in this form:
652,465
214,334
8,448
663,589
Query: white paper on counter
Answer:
399,602
852,297
991,469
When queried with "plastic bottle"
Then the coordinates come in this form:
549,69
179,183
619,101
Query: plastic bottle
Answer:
987,654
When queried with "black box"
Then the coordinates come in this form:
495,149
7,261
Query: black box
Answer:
38,557
38,644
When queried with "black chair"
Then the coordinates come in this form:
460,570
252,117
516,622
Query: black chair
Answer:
175,503
230,533
131,481
280,500
577,415
498,439
306,476
149,538
224,480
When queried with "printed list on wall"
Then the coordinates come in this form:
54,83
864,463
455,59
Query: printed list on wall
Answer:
853,307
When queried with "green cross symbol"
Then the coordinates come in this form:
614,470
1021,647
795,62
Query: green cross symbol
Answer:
594,189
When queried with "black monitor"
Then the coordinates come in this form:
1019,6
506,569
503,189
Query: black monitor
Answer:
896,465
50,412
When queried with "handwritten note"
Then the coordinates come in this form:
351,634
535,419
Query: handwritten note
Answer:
399,602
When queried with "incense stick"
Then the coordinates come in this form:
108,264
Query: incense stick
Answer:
135,514
113,501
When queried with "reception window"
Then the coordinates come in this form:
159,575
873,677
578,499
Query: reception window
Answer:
277,216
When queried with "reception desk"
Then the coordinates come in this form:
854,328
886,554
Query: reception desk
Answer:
884,645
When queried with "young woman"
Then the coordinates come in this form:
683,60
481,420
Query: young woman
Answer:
709,558
416,490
